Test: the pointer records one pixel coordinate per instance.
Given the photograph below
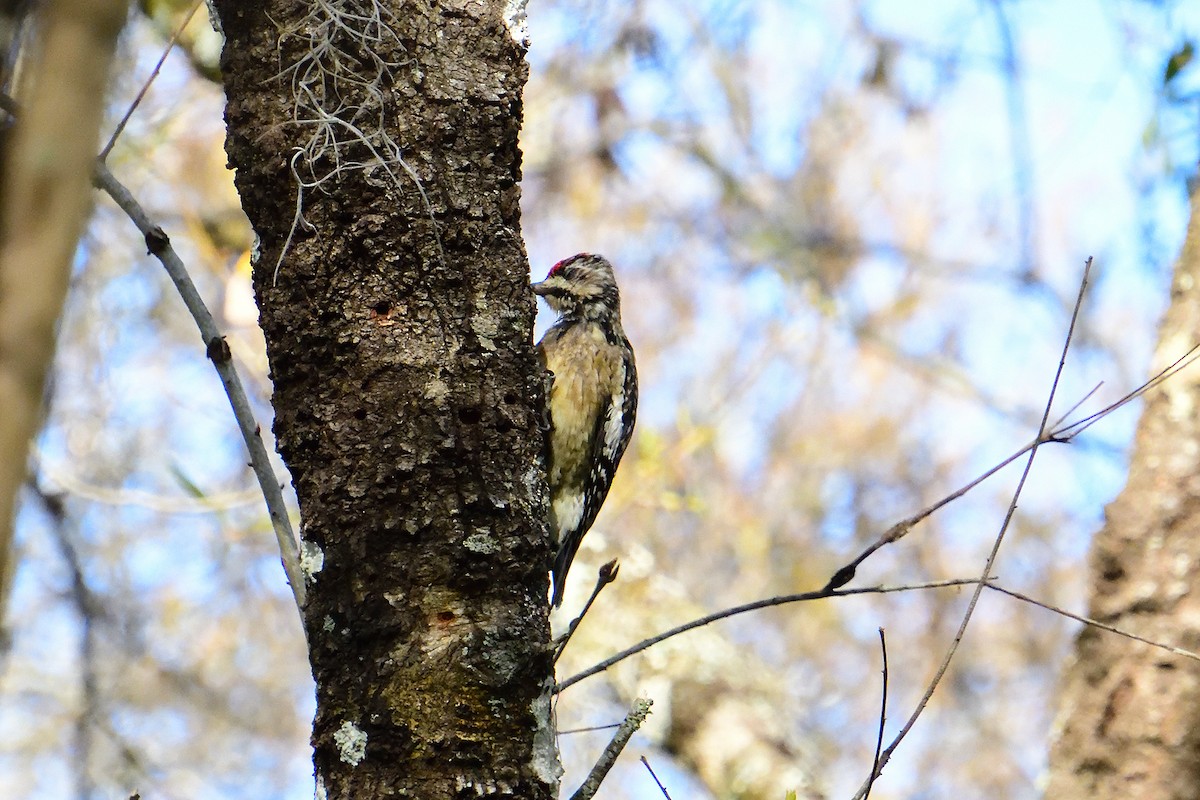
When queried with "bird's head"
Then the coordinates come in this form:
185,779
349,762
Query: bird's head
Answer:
582,286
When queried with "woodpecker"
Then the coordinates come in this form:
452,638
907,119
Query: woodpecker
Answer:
592,399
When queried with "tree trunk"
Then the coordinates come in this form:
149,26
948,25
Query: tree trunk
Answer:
47,193
1129,713
399,329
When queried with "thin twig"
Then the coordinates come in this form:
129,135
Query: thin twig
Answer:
633,720
89,610
991,559
1063,418
112,140
1095,623
218,352
1059,433
898,531
590,729
1175,367
820,594
604,576
650,769
882,717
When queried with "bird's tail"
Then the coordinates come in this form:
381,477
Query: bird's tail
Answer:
562,564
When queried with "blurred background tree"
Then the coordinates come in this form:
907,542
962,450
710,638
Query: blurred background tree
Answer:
848,237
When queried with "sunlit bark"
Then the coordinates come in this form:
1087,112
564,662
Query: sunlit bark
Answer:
1127,712
399,329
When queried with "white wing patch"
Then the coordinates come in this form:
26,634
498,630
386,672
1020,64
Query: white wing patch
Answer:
568,511
614,424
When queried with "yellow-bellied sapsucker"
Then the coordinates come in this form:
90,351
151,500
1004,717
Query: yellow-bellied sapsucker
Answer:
592,400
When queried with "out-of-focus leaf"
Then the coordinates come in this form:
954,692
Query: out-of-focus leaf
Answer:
1178,61
186,483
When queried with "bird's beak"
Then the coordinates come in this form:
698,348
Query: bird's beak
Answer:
540,289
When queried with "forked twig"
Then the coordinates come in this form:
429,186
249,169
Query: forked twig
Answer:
1057,434
1176,366
991,559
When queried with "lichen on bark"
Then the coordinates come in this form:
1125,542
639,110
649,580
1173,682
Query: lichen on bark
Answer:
398,322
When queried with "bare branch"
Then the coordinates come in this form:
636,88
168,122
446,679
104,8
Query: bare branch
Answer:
1058,434
218,352
820,594
1021,143
116,134
1095,623
633,720
650,769
64,478
1072,430
875,766
590,729
605,575
991,559
1078,403
89,610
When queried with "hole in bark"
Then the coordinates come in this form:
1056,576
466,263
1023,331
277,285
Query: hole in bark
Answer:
382,307
510,398
469,415
503,425
360,414
445,616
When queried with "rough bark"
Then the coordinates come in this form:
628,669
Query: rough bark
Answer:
406,391
1130,714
